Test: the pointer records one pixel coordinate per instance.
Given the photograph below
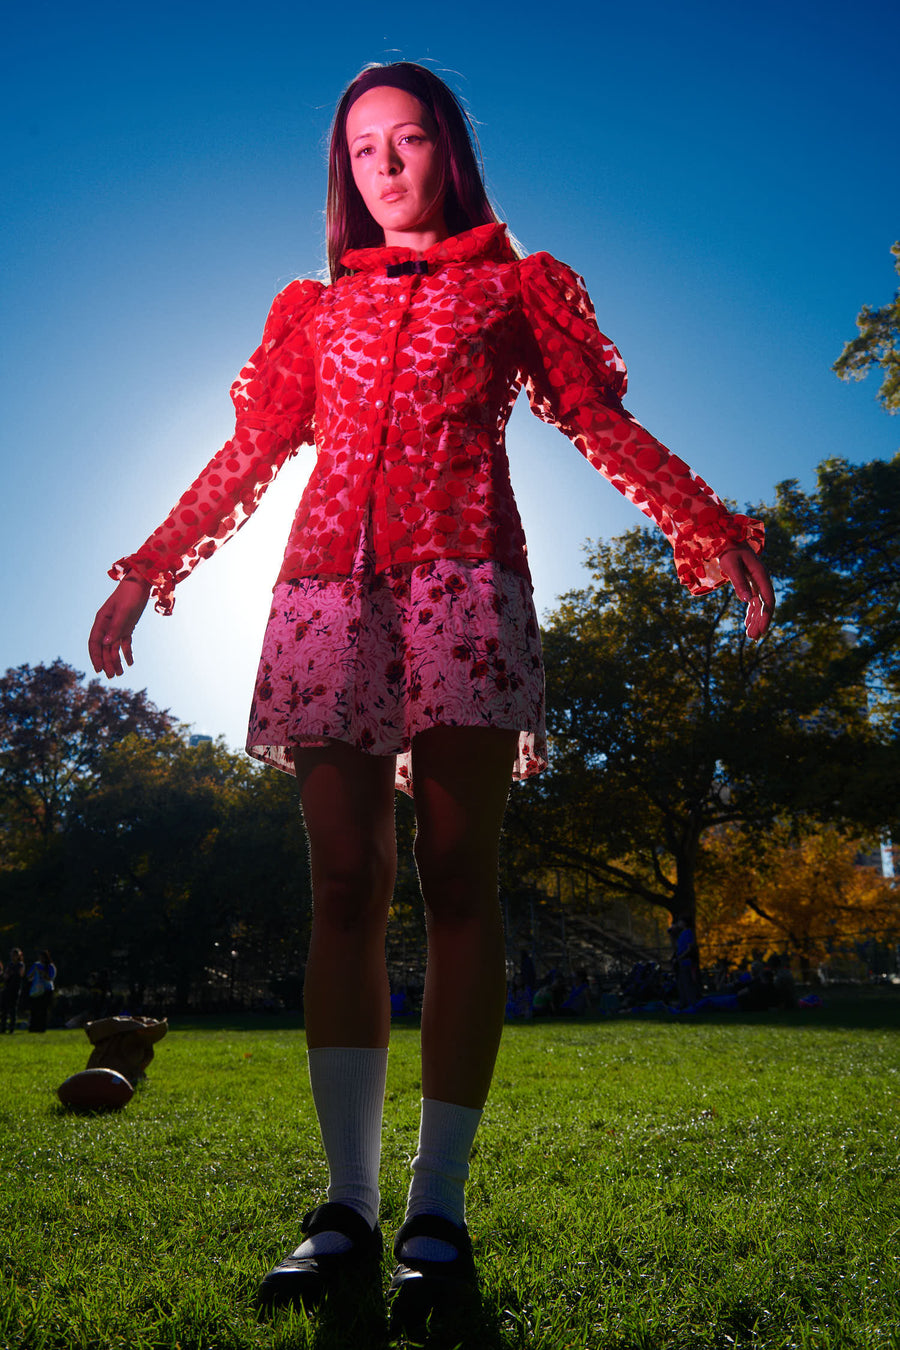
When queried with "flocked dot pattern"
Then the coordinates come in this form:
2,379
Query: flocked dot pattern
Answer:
406,384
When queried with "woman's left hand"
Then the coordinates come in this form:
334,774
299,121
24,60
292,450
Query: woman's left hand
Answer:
749,576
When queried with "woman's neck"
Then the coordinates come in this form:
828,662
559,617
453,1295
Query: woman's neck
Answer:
417,240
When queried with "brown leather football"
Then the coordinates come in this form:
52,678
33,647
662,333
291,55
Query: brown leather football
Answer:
95,1090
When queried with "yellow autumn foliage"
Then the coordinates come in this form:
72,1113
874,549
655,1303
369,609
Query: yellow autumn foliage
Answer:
809,898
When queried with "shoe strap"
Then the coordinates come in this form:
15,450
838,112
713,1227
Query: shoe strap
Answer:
334,1217
434,1226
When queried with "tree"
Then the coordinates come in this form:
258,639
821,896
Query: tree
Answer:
846,566
846,572
54,730
180,868
666,722
878,344
803,891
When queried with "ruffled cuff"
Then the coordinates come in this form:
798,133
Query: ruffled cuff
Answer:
697,558
162,584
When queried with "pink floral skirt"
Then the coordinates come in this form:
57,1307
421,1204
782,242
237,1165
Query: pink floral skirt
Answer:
377,658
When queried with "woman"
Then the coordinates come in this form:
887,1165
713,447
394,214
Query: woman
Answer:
42,977
402,646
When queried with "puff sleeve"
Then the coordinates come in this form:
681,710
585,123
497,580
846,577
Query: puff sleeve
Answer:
274,400
575,379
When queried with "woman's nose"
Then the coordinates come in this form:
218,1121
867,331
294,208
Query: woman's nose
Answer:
390,162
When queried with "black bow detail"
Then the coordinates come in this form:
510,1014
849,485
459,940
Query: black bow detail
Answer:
408,269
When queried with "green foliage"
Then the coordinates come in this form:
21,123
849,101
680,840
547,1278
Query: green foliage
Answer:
174,858
878,344
182,869
846,565
635,1186
53,732
665,721
846,574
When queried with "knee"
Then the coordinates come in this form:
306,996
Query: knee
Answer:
353,896
459,885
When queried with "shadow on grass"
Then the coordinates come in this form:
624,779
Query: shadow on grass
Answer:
349,1317
472,1326
363,1325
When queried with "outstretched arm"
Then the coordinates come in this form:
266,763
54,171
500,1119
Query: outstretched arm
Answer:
110,637
274,398
749,576
575,379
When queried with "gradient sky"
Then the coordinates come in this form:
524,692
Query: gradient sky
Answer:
723,176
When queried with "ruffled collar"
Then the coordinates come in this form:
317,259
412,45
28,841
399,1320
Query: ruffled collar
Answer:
482,242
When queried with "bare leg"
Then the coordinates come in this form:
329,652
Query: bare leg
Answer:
461,779
348,806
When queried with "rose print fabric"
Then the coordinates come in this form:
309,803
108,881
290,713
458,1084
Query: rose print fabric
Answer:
376,658
406,382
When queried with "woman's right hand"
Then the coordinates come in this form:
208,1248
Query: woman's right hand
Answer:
110,638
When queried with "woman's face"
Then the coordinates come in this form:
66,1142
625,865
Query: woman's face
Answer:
397,166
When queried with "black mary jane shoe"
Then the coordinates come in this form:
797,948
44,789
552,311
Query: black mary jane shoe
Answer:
419,1289
303,1281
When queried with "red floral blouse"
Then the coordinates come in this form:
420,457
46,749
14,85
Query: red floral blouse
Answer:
405,380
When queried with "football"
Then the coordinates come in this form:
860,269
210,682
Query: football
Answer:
95,1090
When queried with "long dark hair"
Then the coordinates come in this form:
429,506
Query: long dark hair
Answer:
347,220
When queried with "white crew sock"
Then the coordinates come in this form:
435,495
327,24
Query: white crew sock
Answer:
348,1092
440,1172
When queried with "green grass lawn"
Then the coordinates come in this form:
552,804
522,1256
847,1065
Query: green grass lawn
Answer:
637,1185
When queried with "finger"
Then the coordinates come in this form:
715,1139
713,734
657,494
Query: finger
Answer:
763,606
765,618
762,582
759,616
95,648
109,659
115,658
106,662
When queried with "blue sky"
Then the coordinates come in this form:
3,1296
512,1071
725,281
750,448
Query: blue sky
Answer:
724,178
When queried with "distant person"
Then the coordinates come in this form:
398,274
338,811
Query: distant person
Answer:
518,1001
100,994
11,990
578,999
543,1002
784,984
527,972
403,646
42,983
685,961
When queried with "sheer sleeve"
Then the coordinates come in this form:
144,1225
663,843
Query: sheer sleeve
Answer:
575,379
274,399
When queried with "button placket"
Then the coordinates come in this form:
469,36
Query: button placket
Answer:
386,365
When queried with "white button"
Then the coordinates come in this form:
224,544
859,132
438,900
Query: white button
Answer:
402,299
368,456
379,403
384,360
392,323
